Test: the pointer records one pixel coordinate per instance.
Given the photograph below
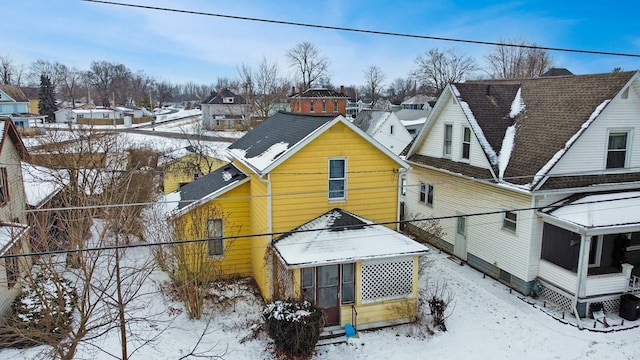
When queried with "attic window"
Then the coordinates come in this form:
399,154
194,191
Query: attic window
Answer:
228,100
466,142
617,150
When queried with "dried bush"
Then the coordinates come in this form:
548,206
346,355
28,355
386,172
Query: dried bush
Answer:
439,298
293,326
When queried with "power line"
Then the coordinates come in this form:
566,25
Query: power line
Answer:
279,233
375,32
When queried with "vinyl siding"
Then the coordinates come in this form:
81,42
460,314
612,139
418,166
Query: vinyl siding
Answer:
181,171
300,184
486,239
11,161
234,207
434,143
588,153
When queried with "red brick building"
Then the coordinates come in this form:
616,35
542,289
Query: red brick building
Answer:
318,101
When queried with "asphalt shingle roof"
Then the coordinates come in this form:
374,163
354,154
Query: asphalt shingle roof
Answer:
319,93
283,129
555,110
209,184
15,93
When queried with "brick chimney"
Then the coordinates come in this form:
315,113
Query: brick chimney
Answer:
341,89
293,90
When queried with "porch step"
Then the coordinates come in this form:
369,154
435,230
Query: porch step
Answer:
333,335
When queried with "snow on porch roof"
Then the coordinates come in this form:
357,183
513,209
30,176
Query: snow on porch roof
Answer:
597,214
341,237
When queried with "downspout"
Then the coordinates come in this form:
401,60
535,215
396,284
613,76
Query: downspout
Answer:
585,245
267,181
401,172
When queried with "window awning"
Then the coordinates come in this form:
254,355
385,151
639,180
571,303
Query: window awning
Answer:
340,237
596,214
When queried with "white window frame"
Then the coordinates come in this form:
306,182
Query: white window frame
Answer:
335,106
506,221
324,106
343,179
312,106
213,238
627,149
461,220
467,143
403,186
422,197
598,256
430,195
449,142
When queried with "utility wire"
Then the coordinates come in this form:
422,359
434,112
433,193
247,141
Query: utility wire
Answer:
375,32
280,233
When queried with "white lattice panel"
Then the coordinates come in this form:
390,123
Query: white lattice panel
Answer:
387,280
285,282
556,298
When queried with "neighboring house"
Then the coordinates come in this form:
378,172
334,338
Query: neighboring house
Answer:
295,173
15,105
32,93
78,115
355,107
384,127
318,101
14,238
537,181
224,110
43,187
414,112
187,164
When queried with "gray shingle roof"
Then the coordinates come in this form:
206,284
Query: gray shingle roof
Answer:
370,120
209,184
280,128
555,110
218,98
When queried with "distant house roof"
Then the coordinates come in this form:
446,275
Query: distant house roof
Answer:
557,72
552,111
31,92
209,186
219,98
370,121
14,92
9,130
319,93
340,237
411,115
418,99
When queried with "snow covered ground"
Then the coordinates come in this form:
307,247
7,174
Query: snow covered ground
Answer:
486,322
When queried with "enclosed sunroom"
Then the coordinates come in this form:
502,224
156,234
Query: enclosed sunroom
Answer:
356,271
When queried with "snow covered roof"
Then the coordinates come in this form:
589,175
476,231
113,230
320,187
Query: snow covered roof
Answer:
512,118
209,186
412,115
283,134
40,183
597,214
10,233
338,237
370,121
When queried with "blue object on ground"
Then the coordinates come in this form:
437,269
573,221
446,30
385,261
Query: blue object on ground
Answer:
349,330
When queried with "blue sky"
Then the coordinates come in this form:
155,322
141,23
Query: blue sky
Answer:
181,47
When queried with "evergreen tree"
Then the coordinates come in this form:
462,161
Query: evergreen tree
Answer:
47,101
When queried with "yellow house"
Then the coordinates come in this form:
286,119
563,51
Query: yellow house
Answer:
299,209
184,165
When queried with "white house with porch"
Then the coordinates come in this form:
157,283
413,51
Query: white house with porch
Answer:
537,183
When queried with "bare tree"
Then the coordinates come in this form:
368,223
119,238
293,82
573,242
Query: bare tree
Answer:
164,92
263,87
111,80
53,70
309,64
7,70
400,89
374,79
437,68
141,85
70,83
519,61
98,208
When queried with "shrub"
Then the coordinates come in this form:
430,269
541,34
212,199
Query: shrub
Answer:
44,310
293,326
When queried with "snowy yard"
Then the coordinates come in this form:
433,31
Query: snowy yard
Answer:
487,322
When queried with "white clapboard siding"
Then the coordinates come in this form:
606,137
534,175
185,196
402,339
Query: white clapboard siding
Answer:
590,150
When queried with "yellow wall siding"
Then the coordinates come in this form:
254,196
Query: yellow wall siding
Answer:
234,207
260,225
300,184
387,310
182,170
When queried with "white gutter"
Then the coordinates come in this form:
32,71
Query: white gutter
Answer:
401,172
